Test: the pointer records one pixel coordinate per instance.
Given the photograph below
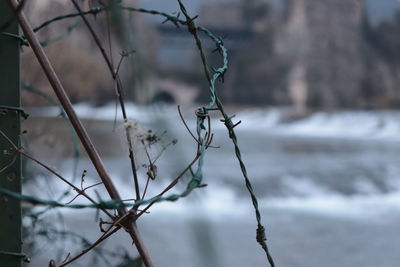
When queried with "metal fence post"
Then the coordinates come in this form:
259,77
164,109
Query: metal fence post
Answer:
10,178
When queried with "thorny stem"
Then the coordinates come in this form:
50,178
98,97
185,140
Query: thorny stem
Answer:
76,123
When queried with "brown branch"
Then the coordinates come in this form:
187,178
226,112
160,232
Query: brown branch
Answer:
76,123
81,191
186,126
64,100
209,137
173,142
145,188
10,164
20,151
105,235
171,185
119,90
132,228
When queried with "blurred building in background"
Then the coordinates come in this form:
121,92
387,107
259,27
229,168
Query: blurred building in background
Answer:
307,54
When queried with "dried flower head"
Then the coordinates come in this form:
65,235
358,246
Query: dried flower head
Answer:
147,145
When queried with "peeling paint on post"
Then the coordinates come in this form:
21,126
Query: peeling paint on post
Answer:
10,178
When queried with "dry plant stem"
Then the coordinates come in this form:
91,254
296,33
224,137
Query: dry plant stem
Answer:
76,123
118,86
80,192
185,124
133,231
209,137
9,164
171,185
105,235
117,222
96,243
65,102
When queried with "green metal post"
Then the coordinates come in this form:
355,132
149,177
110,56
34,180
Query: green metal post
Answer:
10,178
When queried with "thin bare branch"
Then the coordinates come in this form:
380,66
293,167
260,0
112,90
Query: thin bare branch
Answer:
186,126
118,86
20,151
105,235
64,100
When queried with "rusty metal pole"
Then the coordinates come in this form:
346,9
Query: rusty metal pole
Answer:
10,177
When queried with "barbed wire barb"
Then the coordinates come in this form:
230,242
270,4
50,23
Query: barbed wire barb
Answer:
203,135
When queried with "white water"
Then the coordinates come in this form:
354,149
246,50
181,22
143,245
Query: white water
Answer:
297,191
368,125
330,176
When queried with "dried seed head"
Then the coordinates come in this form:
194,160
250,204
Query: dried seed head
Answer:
143,141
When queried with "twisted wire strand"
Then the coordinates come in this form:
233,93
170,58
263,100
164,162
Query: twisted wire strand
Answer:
214,104
260,233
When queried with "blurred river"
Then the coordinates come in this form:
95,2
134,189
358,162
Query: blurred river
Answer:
328,187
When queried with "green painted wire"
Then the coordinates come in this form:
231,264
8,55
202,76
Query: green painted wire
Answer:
196,180
214,103
260,233
23,256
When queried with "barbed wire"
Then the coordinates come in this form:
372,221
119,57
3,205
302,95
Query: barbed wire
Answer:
215,101
212,76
